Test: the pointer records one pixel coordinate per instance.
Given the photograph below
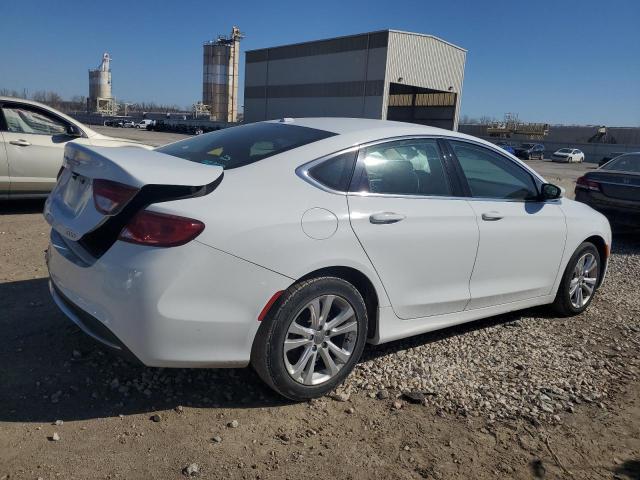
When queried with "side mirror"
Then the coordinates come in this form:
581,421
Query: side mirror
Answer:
550,192
73,131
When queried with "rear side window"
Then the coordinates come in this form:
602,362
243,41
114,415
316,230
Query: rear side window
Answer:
490,175
335,173
239,146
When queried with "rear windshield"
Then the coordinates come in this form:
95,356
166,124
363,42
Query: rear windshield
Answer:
624,163
239,146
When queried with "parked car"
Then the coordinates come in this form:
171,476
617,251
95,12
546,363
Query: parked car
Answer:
144,124
614,189
608,157
129,124
568,155
529,151
289,244
114,123
507,147
32,141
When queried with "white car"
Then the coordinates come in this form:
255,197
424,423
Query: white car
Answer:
145,123
568,155
32,141
289,244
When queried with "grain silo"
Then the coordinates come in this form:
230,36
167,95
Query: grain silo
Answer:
220,76
100,98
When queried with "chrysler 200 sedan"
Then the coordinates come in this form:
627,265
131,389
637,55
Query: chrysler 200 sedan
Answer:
289,244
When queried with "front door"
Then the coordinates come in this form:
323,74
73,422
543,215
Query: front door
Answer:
421,242
521,238
34,141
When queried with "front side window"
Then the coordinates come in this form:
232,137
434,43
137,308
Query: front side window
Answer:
490,175
239,146
406,167
32,121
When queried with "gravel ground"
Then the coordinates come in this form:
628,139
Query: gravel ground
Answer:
524,395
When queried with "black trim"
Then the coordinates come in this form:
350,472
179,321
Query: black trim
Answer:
98,241
97,328
457,179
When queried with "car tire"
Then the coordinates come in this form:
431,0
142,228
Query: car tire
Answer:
277,366
566,304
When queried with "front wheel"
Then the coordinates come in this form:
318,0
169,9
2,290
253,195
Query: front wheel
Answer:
579,282
313,340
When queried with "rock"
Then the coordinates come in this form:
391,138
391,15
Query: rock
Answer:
58,422
156,418
55,437
217,439
341,396
397,405
382,394
191,470
414,397
179,409
233,424
350,410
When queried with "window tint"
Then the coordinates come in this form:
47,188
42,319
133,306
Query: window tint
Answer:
408,167
238,146
34,121
490,175
624,163
335,173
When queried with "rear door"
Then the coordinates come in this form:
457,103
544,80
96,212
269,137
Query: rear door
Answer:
34,139
522,239
421,240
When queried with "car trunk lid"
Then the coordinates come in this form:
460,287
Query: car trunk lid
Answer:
152,177
618,185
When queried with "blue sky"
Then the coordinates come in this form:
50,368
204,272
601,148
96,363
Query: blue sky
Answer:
562,61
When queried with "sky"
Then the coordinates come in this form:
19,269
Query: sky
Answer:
559,62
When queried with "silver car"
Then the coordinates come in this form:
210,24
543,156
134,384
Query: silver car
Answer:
32,141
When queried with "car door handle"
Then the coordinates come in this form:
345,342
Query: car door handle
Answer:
20,143
386,217
492,216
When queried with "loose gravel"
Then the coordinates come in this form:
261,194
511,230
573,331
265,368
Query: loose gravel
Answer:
523,364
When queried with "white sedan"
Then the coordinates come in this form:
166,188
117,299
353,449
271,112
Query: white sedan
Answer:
569,155
289,244
32,141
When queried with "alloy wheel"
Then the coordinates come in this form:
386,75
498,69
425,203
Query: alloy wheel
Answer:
583,281
320,340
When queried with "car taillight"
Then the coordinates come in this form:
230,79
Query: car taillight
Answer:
585,183
160,230
110,197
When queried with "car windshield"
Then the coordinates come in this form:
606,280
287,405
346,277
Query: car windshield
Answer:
239,146
625,163
527,145
564,150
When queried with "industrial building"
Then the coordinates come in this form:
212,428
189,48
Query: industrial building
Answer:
220,77
386,74
100,97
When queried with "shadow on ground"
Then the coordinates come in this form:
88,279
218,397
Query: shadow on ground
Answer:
18,207
50,370
630,468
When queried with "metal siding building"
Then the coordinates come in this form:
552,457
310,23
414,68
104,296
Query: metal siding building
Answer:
386,74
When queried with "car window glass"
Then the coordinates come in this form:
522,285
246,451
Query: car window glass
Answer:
490,175
239,146
409,167
32,121
335,173
625,163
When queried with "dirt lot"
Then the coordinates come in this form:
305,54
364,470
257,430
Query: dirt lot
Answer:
523,395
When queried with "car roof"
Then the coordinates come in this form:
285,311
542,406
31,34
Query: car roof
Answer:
366,129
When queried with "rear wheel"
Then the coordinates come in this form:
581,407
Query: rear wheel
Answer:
313,340
579,282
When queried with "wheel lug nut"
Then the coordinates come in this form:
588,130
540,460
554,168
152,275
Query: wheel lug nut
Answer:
324,344
315,347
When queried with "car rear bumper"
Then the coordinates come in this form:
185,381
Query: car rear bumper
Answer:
620,213
188,306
